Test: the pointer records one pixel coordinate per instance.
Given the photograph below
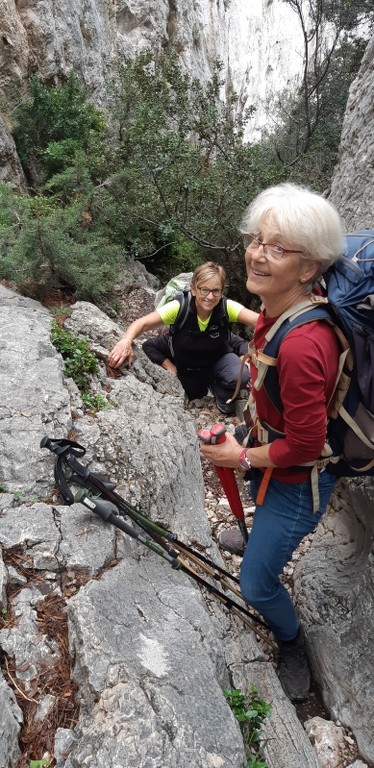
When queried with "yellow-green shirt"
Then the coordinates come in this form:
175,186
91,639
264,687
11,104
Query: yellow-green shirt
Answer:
169,313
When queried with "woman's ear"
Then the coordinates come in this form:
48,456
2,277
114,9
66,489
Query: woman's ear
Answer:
309,271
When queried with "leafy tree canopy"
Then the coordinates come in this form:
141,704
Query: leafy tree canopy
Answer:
169,181
185,173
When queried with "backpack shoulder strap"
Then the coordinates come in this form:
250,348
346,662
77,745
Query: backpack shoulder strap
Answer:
184,298
265,359
306,311
224,304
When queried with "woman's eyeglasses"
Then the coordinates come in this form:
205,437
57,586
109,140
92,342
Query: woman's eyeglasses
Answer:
271,250
216,292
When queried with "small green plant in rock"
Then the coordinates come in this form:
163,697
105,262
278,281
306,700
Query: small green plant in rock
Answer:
80,363
250,711
4,489
96,402
60,313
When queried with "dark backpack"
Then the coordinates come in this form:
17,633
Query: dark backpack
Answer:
349,307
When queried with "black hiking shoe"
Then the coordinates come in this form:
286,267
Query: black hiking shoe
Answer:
227,408
232,541
294,673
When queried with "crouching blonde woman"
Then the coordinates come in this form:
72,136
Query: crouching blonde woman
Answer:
204,354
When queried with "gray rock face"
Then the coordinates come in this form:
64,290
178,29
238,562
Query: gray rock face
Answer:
93,37
32,399
335,587
150,655
352,186
11,720
10,169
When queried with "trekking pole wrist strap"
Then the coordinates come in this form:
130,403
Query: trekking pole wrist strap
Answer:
244,461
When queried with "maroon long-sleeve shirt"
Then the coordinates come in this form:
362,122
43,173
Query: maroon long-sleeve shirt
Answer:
307,368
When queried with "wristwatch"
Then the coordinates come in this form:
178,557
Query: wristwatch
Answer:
244,461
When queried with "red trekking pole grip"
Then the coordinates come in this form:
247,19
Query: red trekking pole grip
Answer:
226,476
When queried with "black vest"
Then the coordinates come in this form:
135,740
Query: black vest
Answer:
197,349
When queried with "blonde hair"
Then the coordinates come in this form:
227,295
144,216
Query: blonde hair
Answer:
207,271
302,217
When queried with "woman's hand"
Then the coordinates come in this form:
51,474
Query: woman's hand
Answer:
225,454
168,365
120,353
123,350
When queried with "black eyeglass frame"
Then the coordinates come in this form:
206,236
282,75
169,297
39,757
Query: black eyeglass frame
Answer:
216,292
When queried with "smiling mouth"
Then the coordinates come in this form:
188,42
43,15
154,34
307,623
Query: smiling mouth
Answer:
259,274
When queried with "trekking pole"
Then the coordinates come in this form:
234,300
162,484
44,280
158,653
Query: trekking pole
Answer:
213,436
162,542
68,470
108,512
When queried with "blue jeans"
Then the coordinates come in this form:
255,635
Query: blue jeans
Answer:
279,525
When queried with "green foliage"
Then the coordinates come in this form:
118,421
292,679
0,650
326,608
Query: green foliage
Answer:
250,712
39,763
309,118
47,246
184,172
55,123
80,363
178,177
312,148
17,494
95,402
170,184
60,312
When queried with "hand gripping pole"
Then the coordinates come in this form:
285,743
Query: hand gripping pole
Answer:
213,436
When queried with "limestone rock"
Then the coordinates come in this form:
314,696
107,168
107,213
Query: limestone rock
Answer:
150,654
352,185
92,38
335,591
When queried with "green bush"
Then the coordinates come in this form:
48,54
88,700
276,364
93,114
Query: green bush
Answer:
56,247
170,184
60,114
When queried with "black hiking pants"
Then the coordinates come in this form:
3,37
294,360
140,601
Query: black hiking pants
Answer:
220,378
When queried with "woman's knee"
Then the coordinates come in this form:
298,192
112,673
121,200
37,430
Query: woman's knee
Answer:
228,375
254,585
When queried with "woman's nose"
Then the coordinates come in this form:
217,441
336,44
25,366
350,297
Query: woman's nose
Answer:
255,253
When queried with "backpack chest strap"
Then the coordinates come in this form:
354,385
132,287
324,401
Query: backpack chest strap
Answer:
262,362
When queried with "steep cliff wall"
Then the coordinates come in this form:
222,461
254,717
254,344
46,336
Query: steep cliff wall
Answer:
352,188
259,44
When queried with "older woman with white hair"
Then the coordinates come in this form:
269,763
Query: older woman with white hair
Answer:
291,236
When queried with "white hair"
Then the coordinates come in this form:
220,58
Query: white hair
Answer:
302,217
